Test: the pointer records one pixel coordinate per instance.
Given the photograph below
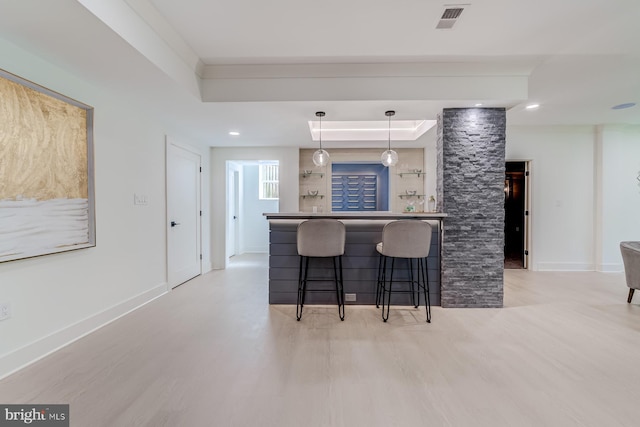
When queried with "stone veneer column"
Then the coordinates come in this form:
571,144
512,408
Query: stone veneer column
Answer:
470,188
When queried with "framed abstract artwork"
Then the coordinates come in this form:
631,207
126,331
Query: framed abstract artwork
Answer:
46,171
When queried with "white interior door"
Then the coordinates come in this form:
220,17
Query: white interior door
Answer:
183,215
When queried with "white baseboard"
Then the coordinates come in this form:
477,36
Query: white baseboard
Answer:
256,250
564,266
611,268
30,353
206,267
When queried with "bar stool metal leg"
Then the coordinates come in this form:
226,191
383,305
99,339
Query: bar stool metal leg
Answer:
339,286
384,289
425,286
306,279
302,277
413,283
380,279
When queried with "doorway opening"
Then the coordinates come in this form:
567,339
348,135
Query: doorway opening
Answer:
516,213
252,189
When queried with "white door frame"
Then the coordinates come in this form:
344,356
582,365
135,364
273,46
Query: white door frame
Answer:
527,219
237,210
168,143
528,197
233,204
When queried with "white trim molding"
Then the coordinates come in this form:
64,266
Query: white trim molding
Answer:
22,357
564,266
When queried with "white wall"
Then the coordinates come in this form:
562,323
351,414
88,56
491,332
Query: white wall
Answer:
562,186
255,236
430,163
205,203
585,193
57,298
288,160
620,192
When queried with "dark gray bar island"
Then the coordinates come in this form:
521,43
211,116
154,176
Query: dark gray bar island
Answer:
360,260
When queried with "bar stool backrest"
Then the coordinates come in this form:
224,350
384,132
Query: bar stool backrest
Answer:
321,238
406,239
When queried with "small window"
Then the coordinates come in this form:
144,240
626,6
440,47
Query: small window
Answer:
269,181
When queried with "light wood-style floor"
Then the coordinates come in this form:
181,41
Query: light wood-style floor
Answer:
565,351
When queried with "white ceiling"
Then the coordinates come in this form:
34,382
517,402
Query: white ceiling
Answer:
275,63
293,31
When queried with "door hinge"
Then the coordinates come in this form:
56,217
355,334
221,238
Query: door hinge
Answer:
201,256
200,213
526,173
526,252
526,213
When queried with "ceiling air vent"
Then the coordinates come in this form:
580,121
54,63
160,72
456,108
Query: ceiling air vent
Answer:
449,17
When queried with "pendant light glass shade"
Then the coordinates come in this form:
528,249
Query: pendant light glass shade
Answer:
389,157
320,157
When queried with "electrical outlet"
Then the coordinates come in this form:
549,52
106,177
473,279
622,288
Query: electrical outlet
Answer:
5,310
350,297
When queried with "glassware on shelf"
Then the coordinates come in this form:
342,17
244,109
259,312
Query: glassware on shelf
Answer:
432,204
410,206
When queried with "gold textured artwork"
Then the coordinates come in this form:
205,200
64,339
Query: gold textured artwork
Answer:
46,194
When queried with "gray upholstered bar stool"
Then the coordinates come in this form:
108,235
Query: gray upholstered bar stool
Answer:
409,239
320,238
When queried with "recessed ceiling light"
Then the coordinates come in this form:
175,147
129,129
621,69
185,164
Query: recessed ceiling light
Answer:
623,106
478,105
532,106
234,133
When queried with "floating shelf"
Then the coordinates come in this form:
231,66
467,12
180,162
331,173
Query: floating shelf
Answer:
305,175
410,173
406,196
310,196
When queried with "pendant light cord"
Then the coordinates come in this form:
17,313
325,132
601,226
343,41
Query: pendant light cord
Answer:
389,132
320,132
320,115
389,114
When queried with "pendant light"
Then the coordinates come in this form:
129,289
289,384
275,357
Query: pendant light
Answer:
389,157
320,157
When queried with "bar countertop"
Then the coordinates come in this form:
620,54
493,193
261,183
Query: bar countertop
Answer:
357,215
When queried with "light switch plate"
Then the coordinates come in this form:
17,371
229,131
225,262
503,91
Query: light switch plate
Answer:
140,199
